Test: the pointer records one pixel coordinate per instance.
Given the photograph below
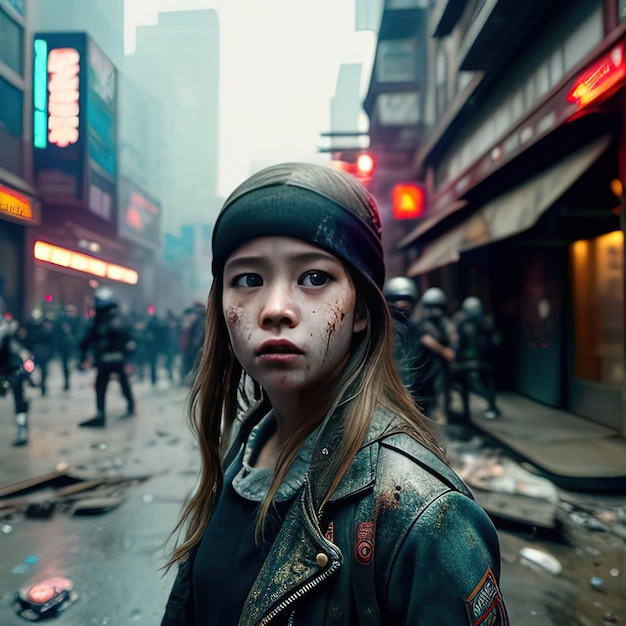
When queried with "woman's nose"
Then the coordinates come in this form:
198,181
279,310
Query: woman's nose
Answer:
279,306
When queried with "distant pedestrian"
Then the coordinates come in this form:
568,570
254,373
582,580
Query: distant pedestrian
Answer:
39,337
154,343
67,330
477,340
191,340
109,338
434,330
172,342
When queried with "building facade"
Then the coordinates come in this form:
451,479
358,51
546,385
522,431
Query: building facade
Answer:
522,152
20,205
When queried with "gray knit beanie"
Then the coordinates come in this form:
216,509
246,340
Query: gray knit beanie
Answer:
315,203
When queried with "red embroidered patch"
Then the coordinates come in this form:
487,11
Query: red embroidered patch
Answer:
364,548
330,532
485,605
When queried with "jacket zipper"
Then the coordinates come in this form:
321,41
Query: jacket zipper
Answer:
299,593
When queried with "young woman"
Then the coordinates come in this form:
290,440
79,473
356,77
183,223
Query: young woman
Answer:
329,500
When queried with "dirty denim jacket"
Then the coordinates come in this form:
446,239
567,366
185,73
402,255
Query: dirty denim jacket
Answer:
401,541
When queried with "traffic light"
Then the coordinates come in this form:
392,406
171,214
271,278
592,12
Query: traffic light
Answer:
408,200
365,165
361,165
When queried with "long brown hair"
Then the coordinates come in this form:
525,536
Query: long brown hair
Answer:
370,380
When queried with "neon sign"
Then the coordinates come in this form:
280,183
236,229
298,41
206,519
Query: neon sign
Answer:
63,95
14,204
83,263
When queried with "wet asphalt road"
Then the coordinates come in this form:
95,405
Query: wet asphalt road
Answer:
115,558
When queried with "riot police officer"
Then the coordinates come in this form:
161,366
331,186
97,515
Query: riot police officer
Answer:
435,335
476,341
14,373
401,295
108,336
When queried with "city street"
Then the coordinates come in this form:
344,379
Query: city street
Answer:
113,557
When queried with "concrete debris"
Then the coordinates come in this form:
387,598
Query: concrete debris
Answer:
541,559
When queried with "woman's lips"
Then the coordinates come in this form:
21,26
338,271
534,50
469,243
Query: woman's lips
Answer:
278,352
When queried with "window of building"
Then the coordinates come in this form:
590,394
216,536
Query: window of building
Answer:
597,284
399,108
397,61
12,47
441,80
584,39
11,108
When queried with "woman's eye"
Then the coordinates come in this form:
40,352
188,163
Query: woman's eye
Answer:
315,278
247,280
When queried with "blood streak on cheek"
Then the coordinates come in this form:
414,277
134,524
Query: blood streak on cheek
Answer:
333,324
232,316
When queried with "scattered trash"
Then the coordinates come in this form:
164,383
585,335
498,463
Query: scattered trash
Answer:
45,599
596,582
97,505
40,510
6,528
541,559
614,572
148,497
99,446
588,521
26,565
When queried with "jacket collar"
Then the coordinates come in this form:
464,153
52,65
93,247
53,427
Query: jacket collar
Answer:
293,565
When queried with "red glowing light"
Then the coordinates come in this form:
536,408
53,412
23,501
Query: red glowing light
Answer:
409,200
608,73
365,164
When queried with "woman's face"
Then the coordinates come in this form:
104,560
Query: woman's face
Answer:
290,311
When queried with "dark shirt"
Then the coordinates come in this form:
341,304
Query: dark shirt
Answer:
228,559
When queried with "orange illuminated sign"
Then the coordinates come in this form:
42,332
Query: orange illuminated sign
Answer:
14,205
83,263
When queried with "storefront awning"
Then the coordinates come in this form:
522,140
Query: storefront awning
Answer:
510,213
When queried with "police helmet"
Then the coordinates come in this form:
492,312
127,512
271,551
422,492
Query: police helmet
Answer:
103,298
472,307
400,288
434,298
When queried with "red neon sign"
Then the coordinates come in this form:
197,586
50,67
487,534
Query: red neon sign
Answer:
606,74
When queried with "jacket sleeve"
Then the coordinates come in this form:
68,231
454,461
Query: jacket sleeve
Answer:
447,568
179,610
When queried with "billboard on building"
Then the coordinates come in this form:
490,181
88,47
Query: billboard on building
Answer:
139,216
75,122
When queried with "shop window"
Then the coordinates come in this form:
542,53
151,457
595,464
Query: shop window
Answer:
597,281
12,48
